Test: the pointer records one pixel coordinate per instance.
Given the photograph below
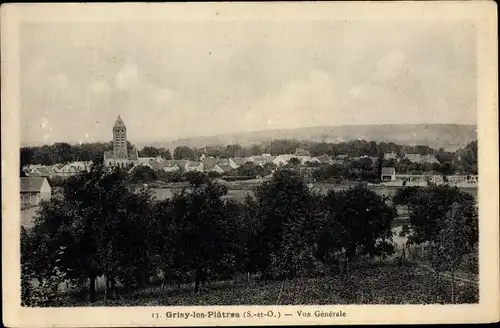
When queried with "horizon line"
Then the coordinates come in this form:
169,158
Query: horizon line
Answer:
29,144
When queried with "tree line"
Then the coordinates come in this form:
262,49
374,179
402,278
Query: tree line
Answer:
99,226
464,159
62,152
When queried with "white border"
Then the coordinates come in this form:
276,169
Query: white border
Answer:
482,12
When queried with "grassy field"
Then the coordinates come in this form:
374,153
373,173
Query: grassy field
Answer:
239,189
369,283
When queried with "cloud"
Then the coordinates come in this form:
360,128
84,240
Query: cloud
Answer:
299,103
127,77
46,129
163,96
356,91
227,77
99,87
391,64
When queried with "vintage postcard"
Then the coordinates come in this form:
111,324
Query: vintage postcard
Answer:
221,164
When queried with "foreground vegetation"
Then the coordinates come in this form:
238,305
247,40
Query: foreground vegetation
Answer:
368,283
332,245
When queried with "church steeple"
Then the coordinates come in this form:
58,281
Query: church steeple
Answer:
119,123
120,139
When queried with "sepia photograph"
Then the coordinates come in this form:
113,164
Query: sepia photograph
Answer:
215,162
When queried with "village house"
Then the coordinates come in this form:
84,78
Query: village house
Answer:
181,163
388,174
283,159
462,179
431,159
43,171
414,158
194,166
33,190
301,152
261,160
224,161
171,167
31,168
304,159
323,159
236,162
209,164
145,160
308,168
391,155
158,164
222,168
420,159
73,168
175,165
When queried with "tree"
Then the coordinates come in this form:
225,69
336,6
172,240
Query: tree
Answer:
268,168
283,208
195,178
428,206
455,240
165,153
200,233
143,173
254,150
232,151
282,146
321,148
183,152
466,158
358,219
294,162
27,154
39,285
247,169
99,222
148,151
446,168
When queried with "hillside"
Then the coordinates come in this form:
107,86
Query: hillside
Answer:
448,136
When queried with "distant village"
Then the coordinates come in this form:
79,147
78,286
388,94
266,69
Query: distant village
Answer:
35,186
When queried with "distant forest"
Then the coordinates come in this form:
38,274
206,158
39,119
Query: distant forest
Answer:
465,158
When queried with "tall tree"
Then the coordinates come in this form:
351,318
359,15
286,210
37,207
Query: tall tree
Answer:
456,239
96,221
284,206
183,152
201,231
428,207
358,220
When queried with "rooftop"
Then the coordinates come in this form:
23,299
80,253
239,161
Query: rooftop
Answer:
119,123
388,170
32,184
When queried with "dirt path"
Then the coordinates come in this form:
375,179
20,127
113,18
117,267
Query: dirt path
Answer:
401,241
448,276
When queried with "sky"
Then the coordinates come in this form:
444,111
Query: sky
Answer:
184,79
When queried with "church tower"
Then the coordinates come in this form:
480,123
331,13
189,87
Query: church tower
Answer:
120,139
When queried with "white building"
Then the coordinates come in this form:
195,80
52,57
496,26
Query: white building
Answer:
33,190
194,166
